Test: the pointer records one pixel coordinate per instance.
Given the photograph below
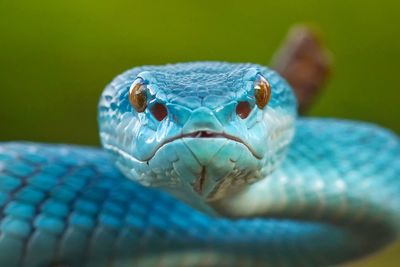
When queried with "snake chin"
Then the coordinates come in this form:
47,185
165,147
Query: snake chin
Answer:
207,165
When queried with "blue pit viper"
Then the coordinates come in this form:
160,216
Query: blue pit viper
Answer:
204,164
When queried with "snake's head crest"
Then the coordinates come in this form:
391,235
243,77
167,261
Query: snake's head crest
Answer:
203,128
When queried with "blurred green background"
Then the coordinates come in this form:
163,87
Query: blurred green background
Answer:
56,57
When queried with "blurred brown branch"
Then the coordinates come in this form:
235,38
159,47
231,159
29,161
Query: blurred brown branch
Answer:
305,63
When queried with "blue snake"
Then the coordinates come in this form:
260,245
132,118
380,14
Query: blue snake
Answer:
204,164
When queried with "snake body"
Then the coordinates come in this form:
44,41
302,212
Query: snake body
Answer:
209,188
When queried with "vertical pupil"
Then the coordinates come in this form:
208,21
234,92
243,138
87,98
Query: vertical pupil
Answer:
139,98
262,92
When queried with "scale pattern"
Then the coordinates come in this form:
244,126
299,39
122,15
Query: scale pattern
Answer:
335,198
199,96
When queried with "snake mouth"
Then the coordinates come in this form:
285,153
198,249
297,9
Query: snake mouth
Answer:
208,134
194,135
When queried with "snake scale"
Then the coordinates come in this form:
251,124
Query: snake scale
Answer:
204,164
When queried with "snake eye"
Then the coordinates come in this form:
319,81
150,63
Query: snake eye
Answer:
262,92
138,95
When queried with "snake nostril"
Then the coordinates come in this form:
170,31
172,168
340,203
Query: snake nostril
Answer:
159,111
243,109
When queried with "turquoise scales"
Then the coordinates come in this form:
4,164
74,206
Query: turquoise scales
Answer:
335,196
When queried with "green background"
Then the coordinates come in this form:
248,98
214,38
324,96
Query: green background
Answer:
56,56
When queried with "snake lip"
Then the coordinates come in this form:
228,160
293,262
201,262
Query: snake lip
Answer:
208,134
196,134
204,134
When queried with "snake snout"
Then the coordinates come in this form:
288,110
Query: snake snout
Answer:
202,119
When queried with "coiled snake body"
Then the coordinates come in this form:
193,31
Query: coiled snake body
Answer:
223,175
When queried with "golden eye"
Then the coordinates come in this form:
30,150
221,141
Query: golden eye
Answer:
138,95
262,92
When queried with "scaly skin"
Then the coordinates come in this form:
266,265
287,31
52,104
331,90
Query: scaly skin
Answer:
335,196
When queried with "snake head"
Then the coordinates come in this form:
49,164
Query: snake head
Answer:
198,130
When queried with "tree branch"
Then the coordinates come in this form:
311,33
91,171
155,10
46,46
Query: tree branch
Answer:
305,63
